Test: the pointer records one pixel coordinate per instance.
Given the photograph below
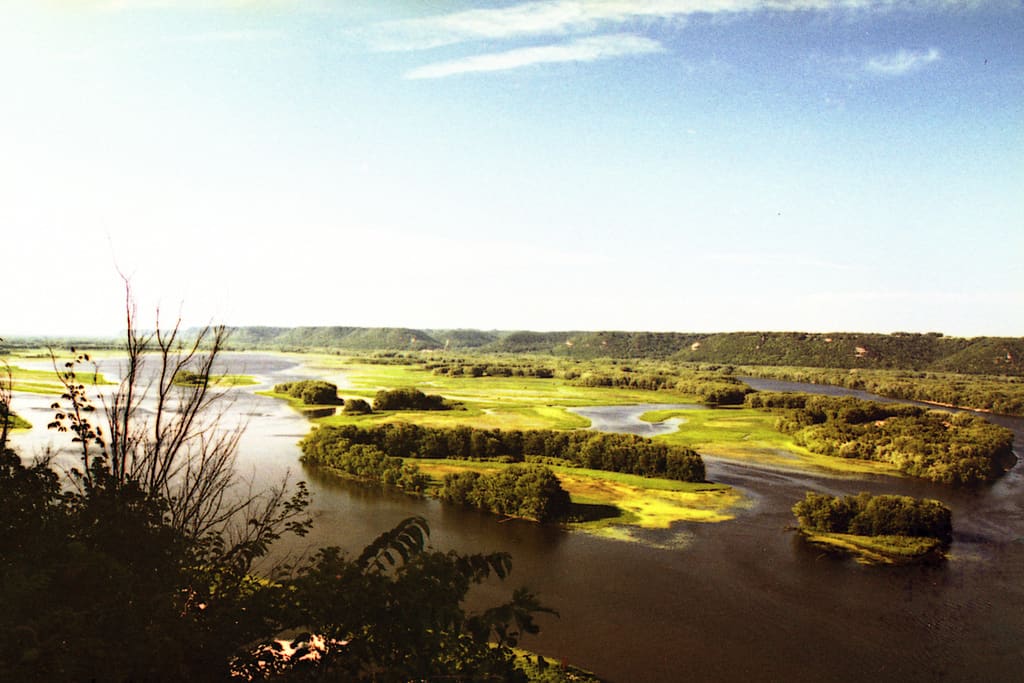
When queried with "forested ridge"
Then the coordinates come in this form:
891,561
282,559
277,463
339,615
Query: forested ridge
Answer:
901,350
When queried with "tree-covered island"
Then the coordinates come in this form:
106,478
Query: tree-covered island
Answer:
885,529
523,485
951,448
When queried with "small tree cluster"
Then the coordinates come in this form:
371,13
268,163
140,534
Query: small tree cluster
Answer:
533,492
867,515
369,463
356,406
311,391
408,398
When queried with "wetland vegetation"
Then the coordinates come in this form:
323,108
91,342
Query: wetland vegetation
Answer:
883,529
521,485
510,398
510,413
950,448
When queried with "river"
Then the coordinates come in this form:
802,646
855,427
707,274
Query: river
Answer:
740,600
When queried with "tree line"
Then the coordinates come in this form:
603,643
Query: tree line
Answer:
626,453
952,448
369,463
997,394
528,491
867,515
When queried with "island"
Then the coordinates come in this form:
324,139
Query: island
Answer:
883,529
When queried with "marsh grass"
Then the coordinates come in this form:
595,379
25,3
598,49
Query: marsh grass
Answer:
487,402
749,434
602,500
878,549
46,381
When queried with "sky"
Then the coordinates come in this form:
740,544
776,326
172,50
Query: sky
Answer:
662,165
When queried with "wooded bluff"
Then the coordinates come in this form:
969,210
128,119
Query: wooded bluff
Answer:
932,351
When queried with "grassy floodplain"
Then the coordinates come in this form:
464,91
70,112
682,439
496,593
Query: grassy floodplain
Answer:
749,434
605,503
609,503
488,402
228,381
878,549
46,381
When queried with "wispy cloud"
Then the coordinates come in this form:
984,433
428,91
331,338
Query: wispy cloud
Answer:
566,17
902,62
581,50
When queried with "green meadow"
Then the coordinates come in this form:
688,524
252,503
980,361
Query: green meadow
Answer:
749,434
46,381
877,549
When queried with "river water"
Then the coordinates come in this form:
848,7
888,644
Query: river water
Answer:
740,600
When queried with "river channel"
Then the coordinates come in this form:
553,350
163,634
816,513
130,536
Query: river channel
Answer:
738,600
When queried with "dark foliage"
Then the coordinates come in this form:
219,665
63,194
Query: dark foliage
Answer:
409,399
529,491
867,515
104,578
356,406
950,448
311,391
625,453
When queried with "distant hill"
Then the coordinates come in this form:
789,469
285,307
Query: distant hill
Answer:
900,350
464,339
353,338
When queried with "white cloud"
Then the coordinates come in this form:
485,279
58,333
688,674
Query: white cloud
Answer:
902,62
564,17
581,50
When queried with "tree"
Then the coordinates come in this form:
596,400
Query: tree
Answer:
356,406
141,565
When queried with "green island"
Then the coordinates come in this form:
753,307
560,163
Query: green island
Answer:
494,416
885,529
493,405
190,378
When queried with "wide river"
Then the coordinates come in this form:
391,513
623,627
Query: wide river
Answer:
738,600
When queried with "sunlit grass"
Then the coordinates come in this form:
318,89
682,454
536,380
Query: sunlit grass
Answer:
46,381
487,402
605,500
750,435
233,380
877,549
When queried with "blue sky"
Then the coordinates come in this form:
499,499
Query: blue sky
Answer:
687,165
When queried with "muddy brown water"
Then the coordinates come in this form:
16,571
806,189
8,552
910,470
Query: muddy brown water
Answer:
739,600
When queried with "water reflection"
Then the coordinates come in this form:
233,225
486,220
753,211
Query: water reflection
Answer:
626,419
